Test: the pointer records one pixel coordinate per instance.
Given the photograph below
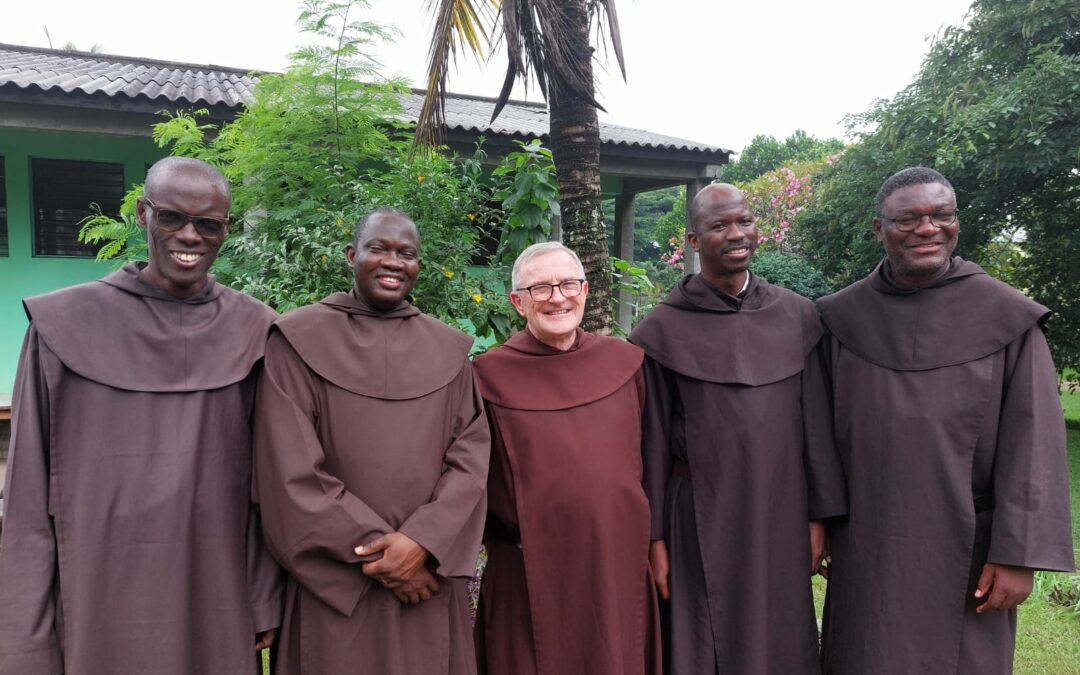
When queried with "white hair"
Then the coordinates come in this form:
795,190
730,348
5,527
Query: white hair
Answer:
542,248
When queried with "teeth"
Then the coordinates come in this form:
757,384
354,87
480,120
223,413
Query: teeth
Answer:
186,257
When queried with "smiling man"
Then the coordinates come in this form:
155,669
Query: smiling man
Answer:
953,443
740,463
371,455
130,542
567,587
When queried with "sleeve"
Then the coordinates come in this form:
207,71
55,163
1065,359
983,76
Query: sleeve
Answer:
450,526
1031,525
826,488
311,522
28,565
266,582
656,433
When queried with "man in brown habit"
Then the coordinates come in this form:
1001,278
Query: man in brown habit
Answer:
130,544
567,588
371,456
740,464
952,438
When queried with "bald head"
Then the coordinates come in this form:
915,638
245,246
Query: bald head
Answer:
714,197
171,169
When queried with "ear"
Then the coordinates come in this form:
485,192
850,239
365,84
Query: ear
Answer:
879,232
692,239
140,216
518,302
350,255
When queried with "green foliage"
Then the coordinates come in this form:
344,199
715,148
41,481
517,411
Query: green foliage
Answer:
791,271
767,153
996,108
529,198
636,283
319,146
122,239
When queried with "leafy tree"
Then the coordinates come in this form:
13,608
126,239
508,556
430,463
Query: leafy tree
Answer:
996,108
549,41
766,153
791,271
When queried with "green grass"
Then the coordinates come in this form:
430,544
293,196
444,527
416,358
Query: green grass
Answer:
1048,634
1070,403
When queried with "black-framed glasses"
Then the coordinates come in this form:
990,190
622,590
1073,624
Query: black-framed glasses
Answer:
909,222
540,292
172,220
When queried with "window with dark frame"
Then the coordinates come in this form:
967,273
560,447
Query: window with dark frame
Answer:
63,191
3,211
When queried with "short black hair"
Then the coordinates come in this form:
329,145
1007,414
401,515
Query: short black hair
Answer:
366,219
161,169
913,175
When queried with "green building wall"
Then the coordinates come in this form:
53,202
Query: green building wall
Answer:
21,273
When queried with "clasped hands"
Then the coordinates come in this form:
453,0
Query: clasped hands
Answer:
401,569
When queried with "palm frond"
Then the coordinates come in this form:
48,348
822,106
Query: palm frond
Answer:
458,27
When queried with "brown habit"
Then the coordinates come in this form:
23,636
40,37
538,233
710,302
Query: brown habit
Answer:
130,543
577,595
736,393
369,423
950,429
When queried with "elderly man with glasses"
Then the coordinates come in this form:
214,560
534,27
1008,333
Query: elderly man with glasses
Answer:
567,587
130,541
950,430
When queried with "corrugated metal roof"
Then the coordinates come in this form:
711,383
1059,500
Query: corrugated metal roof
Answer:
70,71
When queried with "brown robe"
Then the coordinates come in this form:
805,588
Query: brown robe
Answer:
737,402
567,588
369,423
951,433
130,543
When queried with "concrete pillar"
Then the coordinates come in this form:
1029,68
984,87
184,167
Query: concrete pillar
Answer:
690,259
556,227
624,248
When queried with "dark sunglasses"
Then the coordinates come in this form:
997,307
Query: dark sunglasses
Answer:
172,220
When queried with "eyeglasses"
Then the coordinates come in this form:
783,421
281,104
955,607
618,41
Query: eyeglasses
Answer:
541,292
910,222
172,220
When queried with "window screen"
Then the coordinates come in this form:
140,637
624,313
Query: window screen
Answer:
63,192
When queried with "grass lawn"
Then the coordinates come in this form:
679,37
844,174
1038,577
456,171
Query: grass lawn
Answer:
1048,635
1070,402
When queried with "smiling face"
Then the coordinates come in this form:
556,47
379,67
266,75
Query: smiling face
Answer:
724,235
553,321
385,260
920,256
180,260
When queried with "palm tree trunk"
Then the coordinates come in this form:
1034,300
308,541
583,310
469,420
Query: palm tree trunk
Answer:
575,146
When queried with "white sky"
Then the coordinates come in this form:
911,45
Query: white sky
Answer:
711,71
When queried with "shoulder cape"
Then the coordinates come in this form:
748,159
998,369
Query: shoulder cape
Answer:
695,333
395,355
525,374
126,333
964,316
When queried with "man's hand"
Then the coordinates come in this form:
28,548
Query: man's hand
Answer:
1003,586
402,558
265,639
818,549
422,586
660,564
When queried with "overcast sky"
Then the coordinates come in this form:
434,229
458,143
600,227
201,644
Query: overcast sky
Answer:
710,71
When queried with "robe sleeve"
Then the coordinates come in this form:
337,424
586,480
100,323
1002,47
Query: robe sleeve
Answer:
450,526
266,582
28,565
826,488
1031,491
660,393
311,522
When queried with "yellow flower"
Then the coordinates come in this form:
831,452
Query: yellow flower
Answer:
324,258
471,215
448,274
421,179
477,297
340,221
